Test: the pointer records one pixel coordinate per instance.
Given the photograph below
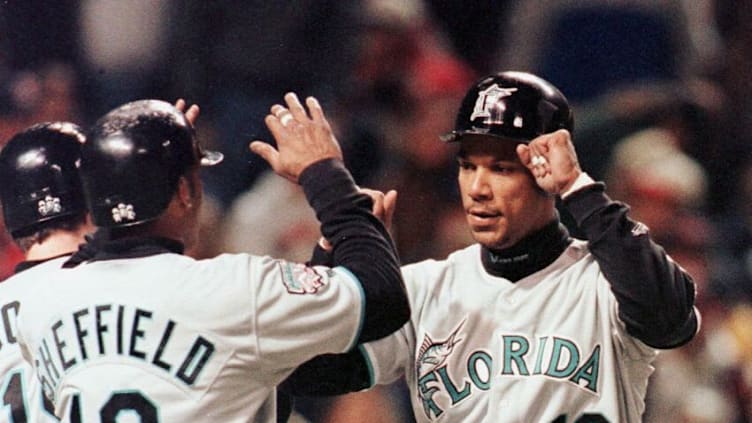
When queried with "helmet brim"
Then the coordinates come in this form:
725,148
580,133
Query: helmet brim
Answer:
456,136
210,158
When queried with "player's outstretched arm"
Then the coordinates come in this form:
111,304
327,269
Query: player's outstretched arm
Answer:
655,295
308,153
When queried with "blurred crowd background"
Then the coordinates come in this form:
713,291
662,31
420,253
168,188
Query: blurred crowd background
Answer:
661,91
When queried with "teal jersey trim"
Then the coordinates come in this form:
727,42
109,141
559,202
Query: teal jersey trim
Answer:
367,359
362,304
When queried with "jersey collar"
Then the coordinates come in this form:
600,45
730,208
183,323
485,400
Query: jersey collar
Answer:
528,256
100,247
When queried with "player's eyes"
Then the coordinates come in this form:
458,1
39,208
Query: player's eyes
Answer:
465,165
502,168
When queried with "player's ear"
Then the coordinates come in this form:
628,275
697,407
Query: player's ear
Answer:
185,192
190,189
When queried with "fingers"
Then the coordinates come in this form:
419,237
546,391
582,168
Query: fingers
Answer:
377,197
283,116
390,204
523,152
297,110
317,113
192,114
383,205
267,152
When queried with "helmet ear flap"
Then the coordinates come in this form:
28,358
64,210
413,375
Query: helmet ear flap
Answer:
512,105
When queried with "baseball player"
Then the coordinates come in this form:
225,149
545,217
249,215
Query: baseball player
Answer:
132,327
45,214
528,324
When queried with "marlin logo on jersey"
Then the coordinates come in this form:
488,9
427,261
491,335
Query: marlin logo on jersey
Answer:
445,383
433,354
486,98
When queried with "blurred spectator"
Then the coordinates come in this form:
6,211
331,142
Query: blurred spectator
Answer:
236,58
689,109
10,254
35,33
124,52
651,173
732,279
423,170
732,142
272,218
473,29
591,46
666,189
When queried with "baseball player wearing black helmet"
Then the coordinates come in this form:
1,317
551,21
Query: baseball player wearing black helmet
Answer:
45,213
132,325
528,324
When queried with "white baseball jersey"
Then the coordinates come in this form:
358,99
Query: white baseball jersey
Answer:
21,397
480,348
172,339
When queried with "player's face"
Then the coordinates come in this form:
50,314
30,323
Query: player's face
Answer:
501,200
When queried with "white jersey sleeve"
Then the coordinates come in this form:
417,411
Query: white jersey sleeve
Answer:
304,311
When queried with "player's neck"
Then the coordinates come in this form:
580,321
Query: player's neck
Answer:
59,243
528,256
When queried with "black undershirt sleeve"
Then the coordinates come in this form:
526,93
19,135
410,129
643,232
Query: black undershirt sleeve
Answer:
329,374
360,243
655,295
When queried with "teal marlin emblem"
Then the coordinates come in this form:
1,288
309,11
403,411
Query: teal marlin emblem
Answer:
433,354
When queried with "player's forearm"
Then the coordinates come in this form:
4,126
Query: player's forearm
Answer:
328,375
655,295
360,243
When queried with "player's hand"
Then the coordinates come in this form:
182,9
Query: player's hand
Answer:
552,160
302,139
383,205
191,114
383,208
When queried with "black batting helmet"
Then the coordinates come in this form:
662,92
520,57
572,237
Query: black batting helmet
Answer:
40,180
133,159
512,105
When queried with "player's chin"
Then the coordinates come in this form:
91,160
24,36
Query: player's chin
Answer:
486,236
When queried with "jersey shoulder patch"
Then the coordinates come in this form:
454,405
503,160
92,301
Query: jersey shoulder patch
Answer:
301,279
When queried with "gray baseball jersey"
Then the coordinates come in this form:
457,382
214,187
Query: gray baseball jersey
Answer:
21,397
173,339
543,349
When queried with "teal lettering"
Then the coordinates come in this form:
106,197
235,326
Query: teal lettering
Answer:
515,347
472,369
589,371
539,360
574,358
426,395
454,394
